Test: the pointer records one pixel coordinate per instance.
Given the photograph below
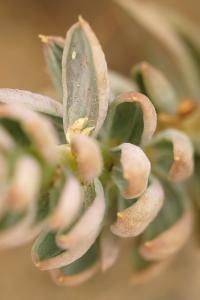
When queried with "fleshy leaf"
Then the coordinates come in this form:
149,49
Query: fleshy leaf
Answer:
88,156
23,189
172,227
144,270
28,152
53,51
133,220
20,201
170,241
156,87
33,101
36,102
174,154
109,249
132,118
67,210
80,270
54,250
85,78
6,141
134,171
38,128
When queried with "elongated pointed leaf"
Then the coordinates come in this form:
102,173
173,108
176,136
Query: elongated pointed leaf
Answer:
53,51
85,78
156,87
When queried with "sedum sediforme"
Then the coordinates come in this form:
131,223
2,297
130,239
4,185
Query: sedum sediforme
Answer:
102,172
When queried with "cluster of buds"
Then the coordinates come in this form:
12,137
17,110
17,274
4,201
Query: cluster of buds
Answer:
108,173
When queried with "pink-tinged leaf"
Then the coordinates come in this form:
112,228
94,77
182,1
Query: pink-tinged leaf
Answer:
132,118
150,272
183,163
38,129
170,241
23,189
79,238
88,157
134,220
73,280
68,206
22,233
22,196
33,101
109,250
6,141
136,169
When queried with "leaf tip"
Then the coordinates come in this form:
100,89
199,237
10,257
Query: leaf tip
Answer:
44,38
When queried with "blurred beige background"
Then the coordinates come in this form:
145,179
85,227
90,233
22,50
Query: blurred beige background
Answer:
22,66
21,60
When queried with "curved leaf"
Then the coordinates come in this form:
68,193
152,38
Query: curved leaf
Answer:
167,234
133,171
131,118
33,101
54,250
173,153
79,271
88,156
170,241
133,220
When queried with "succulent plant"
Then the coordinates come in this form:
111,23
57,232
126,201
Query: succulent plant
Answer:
101,170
